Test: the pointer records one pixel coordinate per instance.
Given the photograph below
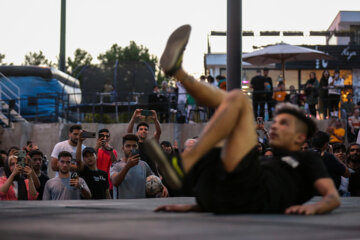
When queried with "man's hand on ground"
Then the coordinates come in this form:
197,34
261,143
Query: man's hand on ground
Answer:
310,209
178,208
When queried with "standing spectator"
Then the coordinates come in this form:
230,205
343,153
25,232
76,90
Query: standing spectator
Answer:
106,154
212,81
181,102
339,150
97,180
142,131
335,168
67,145
258,85
323,93
347,108
353,161
312,93
167,148
268,91
336,83
336,131
36,159
129,174
13,186
63,187
354,125
221,80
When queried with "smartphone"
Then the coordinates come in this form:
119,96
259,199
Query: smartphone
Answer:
146,113
134,152
21,158
260,120
74,175
86,134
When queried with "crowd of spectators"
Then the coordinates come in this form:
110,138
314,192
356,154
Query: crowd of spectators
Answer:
102,172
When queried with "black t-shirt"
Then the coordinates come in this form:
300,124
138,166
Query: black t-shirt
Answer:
257,83
145,158
290,177
334,167
97,181
269,93
354,183
43,179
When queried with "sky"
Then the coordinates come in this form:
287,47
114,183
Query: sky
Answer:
95,25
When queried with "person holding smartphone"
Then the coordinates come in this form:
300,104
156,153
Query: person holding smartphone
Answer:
18,183
129,174
142,131
106,154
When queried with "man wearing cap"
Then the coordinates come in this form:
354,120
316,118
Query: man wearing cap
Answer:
96,179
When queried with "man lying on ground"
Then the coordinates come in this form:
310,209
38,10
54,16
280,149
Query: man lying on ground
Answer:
232,179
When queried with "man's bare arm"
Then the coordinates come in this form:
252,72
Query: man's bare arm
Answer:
157,132
54,165
136,114
330,200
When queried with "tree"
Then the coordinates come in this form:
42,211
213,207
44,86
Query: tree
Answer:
81,59
33,58
131,53
2,56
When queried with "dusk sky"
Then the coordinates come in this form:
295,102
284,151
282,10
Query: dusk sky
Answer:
93,25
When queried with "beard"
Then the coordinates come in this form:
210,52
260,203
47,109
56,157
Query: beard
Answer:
354,158
64,171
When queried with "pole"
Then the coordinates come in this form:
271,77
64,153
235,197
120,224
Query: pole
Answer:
234,44
62,36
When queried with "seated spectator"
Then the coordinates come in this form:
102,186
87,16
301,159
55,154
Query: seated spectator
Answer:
280,93
354,126
129,174
36,158
336,131
18,183
335,168
339,150
65,186
97,180
167,148
293,97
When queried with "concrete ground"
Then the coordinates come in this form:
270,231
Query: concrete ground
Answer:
135,219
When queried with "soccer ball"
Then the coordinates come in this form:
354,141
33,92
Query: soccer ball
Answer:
153,186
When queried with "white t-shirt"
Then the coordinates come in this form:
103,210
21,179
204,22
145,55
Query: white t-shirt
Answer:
337,83
65,146
181,93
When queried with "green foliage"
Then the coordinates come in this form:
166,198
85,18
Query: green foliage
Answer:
2,56
36,59
131,53
81,59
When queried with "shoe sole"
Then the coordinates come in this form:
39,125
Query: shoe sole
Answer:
175,46
156,154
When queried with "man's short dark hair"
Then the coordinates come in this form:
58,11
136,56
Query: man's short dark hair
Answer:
12,148
299,114
319,139
36,152
337,146
130,137
64,154
142,124
166,143
103,130
265,69
75,127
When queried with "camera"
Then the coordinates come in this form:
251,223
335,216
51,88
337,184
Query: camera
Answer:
146,113
86,134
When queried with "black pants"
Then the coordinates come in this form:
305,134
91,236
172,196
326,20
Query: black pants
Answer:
259,102
334,102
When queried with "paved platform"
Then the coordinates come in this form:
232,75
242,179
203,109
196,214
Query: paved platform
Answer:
135,219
